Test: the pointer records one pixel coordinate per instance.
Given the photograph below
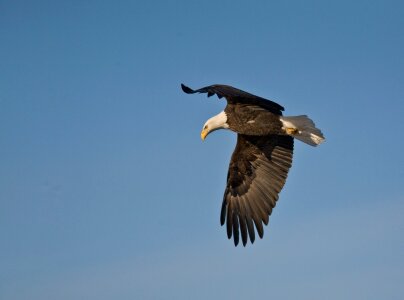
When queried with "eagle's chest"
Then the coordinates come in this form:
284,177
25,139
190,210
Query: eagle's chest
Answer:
252,120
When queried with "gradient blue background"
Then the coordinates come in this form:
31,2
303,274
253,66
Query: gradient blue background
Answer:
107,192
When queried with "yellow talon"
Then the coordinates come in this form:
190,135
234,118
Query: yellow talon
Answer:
292,131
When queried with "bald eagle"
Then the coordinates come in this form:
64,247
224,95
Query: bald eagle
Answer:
261,160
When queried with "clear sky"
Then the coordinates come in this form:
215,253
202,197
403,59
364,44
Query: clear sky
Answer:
107,191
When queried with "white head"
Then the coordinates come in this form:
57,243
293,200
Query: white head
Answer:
217,122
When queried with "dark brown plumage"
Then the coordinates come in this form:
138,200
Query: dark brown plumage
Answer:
261,160
257,172
234,96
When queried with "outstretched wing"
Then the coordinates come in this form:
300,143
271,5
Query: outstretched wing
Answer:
234,95
257,172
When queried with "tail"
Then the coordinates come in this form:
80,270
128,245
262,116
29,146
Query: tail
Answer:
302,128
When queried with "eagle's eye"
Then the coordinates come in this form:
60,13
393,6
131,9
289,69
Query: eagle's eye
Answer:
206,127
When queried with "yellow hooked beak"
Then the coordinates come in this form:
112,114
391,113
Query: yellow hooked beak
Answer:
204,133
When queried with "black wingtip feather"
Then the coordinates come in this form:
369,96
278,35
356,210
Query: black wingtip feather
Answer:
229,223
186,89
243,229
223,212
260,228
236,233
250,228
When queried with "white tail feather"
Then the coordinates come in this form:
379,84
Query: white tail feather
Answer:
302,128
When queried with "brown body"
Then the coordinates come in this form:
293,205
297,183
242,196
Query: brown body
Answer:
252,120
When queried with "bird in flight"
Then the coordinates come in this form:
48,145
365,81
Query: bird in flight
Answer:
261,160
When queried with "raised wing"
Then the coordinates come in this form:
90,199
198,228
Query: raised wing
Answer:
257,172
234,95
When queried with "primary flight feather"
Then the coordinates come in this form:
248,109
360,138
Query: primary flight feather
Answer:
261,160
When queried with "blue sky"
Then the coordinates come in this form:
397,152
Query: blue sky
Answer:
107,191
